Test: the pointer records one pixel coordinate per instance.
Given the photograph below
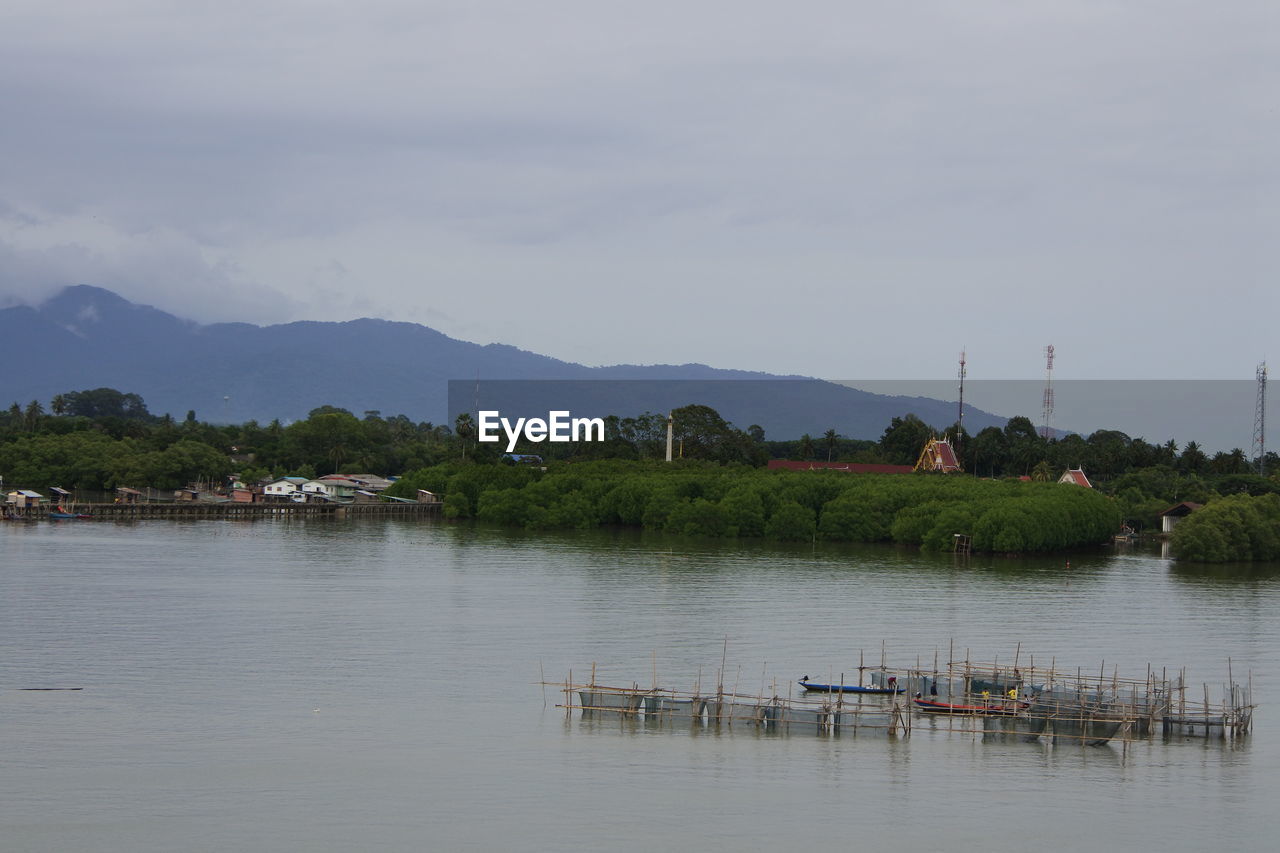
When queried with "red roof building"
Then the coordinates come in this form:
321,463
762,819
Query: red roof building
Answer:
938,455
1075,477
850,467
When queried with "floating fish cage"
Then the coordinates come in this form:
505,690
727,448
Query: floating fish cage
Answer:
1016,701
659,706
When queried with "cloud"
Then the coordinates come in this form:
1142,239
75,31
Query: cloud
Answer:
161,267
734,183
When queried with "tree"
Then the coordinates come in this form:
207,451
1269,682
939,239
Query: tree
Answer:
986,452
1024,446
324,440
791,521
701,432
904,438
1192,460
1020,428
806,447
105,403
31,417
830,437
464,428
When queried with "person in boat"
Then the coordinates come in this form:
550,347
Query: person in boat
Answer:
893,682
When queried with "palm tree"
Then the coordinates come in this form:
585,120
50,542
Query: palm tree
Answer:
830,437
337,455
31,417
464,428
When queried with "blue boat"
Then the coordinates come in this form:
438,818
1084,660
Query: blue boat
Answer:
814,687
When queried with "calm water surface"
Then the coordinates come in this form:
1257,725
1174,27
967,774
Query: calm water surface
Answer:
322,685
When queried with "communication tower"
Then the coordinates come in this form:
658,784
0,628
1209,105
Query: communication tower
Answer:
1048,391
960,412
1260,422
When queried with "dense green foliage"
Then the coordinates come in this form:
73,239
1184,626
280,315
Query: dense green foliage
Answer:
94,460
1236,528
725,501
99,439
1017,448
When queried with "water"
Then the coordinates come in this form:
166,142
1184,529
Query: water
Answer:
326,685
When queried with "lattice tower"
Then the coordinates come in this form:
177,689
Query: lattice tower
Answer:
1048,391
1260,421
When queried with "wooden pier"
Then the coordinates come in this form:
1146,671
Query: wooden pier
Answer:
211,510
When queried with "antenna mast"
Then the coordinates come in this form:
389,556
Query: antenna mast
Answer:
1048,391
1260,422
960,407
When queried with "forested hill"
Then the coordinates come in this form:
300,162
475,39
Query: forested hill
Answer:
87,337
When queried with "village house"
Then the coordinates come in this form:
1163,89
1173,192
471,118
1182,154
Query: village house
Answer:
371,482
23,498
333,486
126,495
284,489
1171,516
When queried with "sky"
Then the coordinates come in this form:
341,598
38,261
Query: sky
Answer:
834,189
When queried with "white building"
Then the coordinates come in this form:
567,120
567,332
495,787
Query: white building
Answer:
285,487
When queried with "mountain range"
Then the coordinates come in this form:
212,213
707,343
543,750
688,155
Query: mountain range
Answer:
87,337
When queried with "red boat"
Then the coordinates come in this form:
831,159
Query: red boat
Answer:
1000,707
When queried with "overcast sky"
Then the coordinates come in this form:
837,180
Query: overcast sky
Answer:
838,189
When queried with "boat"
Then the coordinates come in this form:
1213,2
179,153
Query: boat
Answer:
63,512
1000,707
814,687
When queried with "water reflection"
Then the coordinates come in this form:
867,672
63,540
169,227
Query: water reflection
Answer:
361,684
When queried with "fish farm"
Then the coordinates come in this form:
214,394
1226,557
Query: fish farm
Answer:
1019,700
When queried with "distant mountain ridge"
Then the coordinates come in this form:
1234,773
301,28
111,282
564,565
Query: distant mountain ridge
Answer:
89,337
